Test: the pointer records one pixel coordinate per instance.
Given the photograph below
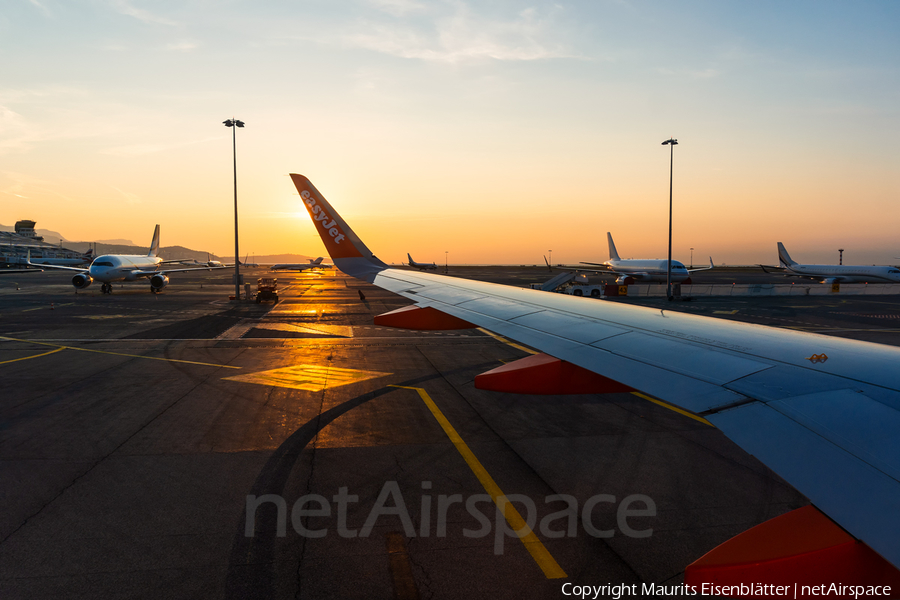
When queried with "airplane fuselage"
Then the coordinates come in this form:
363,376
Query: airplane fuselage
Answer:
647,270
121,267
290,267
847,273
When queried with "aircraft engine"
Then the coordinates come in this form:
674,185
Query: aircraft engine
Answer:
82,280
158,282
624,280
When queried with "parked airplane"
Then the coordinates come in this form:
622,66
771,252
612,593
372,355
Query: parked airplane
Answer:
312,264
836,273
629,270
821,411
247,263
215,263
421,266
209,262
125,267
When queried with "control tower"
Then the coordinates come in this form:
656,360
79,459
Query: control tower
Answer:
25,228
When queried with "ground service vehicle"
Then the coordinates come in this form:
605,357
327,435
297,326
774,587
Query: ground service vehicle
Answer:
267,289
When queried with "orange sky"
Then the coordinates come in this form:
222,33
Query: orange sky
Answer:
491,133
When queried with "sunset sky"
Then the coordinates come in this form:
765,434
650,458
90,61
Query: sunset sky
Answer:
492,131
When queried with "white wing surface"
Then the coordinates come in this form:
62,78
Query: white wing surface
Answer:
822,412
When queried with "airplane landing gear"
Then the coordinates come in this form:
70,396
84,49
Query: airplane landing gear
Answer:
106,288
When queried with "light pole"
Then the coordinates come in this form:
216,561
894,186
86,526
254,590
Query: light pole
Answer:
692,258
841,255
234,123
551,259
446,255
671,142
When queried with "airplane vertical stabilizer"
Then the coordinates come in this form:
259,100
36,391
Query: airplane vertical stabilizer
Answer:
613,255
347,251
783,257
154,245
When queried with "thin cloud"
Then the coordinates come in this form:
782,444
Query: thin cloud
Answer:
709,73
15,132
29,186
152,148
130,198
182,46
461,35
124,7
398,8
46,11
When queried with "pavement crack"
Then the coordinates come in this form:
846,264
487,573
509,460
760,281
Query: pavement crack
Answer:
97,462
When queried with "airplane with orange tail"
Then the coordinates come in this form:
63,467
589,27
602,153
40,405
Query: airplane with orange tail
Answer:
821,411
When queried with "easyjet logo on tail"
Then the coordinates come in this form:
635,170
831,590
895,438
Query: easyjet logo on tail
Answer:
321,217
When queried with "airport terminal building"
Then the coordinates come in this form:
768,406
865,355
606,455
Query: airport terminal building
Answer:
14,248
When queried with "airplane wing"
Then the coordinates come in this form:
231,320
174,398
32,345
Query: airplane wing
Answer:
151,272
787,273
11,271
822,412
711,266
766,269
603,266
60,267
298,267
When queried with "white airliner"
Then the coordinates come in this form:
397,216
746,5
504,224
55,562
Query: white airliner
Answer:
421,266
215,263
821,411
629,270
125,267
209,262
247,263
837,273
312,264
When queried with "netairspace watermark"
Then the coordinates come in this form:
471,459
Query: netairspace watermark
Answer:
391,503
743,590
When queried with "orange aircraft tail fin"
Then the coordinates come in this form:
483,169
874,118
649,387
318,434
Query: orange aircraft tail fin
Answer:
348,252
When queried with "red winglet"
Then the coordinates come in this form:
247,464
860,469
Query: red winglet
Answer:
543,374
421,318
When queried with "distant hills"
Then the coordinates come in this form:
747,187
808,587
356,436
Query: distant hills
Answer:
51,237
55,237
273,258
122,246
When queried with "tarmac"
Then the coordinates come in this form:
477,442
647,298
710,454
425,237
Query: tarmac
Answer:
181,445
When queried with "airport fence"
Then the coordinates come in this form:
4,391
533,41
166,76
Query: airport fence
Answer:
771,289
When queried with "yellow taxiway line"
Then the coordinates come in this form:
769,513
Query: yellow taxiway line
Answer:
535,547
674,408
500,338
28,357
59,347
